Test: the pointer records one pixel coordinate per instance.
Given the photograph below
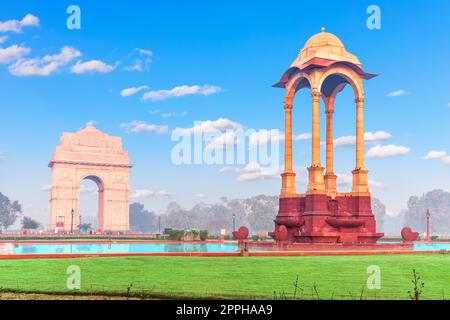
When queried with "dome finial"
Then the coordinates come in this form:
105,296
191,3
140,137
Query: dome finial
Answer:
323,29
90,125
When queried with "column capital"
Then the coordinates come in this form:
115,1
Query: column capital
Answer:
288,105
360,100
315,93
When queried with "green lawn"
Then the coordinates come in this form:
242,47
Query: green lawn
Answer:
235,277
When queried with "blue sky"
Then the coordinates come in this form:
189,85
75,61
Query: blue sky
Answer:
228,55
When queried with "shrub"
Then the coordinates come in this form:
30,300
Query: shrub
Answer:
203,235
195,233
176,235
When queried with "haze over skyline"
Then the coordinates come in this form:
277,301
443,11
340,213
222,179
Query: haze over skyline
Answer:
141,71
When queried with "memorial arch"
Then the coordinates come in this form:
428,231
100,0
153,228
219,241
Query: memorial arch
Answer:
93,155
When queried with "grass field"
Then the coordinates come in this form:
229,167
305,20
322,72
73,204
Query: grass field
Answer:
319,277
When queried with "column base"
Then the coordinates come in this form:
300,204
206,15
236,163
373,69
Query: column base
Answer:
316,183
288,184
318,218
330,183
360,182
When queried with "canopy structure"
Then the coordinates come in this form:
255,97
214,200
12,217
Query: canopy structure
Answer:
322,214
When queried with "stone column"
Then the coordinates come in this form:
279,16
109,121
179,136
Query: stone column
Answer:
360,174
288,176
316,180
330,177
315,128
359,133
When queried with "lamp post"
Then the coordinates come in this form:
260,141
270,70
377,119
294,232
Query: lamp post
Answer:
159,224
234,222
428,236
71,223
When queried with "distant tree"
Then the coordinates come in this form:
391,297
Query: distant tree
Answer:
438,202
29,223
262,210
142,220
379,210
257,213
85,226
178,218
9,211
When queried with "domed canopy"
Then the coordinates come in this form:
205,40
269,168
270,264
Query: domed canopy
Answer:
323,50
325,45
323,38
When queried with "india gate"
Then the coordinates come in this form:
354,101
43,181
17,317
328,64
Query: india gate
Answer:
93,155
322,214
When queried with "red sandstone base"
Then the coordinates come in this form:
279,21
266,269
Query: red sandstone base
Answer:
323,219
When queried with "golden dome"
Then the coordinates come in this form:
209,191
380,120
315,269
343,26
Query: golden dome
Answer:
323,39
322,50
325,45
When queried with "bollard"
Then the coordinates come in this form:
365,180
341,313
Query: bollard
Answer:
243,248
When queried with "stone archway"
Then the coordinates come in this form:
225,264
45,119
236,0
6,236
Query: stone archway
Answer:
94,155
100,198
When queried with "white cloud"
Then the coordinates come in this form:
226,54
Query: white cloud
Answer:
17,25
227,139
376,184
397,93
302,136
344,179
200,195
432,155
180,91
265,137
438,155
390,150
144,52
347,180
375,137
254,171
92,66
46,188
12,53
344,141
3,39
209,126
225,133
30,20
90,123
174,114
369,138
142,127
132,91
85,189
46,65
147,194
222,131
140,60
